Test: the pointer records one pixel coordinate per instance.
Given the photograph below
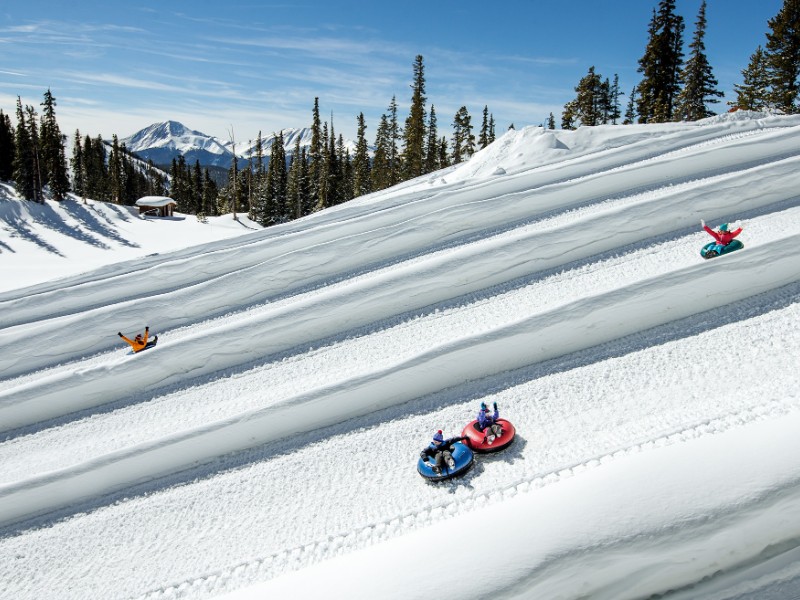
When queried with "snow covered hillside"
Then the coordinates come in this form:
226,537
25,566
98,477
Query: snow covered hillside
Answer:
267,447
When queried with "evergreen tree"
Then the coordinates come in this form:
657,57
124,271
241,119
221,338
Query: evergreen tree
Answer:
783,57
414,137
315,159
483,136
661,65
568,117
551,122
297,183
53,160
587,108
381,162
6,148
432,144
444,153
613,113
630,109
699,82
362,177
276,210
463,138
395,164
78,167
491,137
24,163
754,92
115,173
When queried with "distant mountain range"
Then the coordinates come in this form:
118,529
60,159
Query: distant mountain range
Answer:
162,142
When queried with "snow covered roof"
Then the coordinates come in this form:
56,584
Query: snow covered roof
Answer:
155,201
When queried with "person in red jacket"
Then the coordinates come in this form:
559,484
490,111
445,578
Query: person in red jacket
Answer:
723,235
139,343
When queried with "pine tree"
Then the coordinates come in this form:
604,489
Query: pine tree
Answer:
630,109
699,82
783,57
362,177
54,164
661,65
483,136
587,107
414,132
568,117
754,92
23,163
432,145
381,166
444,153
6,147
395,163
115,174
491,137
277,209
463,138
78,167
315,159
551,122
613,113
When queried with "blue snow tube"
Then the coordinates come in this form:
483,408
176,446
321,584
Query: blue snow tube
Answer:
463,458
713,249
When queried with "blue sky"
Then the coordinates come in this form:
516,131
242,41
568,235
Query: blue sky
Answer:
243,66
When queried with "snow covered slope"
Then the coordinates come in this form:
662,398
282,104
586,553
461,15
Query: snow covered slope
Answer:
300,369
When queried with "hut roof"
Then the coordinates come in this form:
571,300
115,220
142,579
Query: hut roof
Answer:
155,201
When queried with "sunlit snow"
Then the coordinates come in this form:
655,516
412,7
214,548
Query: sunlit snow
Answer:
267,447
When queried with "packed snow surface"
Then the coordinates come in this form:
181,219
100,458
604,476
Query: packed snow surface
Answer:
267,447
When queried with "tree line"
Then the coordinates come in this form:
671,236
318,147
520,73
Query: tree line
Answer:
276,190
672,89
272,189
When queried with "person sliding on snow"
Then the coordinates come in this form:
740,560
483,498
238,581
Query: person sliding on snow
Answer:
489,422
723,235
440,451
139,343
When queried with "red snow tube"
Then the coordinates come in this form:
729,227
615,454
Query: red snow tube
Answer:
476,439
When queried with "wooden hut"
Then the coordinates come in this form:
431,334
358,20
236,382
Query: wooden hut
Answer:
156,206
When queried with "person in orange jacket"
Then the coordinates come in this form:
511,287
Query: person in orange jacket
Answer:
139,343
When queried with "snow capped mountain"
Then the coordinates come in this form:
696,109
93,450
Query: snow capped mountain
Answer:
161,142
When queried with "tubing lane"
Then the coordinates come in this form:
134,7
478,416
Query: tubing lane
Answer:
570,328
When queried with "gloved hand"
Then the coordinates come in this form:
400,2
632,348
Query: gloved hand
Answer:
147,328
495,406
702,223
119,333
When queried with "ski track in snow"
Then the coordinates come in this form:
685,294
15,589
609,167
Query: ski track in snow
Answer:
568,421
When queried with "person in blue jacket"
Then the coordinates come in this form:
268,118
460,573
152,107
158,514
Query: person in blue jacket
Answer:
440,451
487,423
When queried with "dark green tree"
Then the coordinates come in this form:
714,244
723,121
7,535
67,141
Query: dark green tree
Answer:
381,161
483,136
661,65
753,93
395,161
783,57
6,148
78,167
699,83
362,177
414,137
463,138
432,144
24,163
315,157
53,159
